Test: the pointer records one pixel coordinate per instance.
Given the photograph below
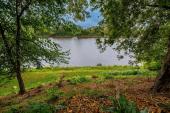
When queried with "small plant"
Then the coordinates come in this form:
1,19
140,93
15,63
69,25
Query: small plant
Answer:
108,76
15,89
131,72
94,76
153,66
122,105
37,108
14,110
54,93
40,108
79,79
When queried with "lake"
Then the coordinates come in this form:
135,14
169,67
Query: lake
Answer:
84,52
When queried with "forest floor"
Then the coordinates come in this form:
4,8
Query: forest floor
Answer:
84,89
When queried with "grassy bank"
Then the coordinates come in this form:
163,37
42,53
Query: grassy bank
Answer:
34,77
83,89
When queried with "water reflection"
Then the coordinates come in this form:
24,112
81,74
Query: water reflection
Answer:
84,52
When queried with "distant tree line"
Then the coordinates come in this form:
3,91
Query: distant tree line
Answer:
71,29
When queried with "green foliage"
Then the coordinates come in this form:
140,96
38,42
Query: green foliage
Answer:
122,105
127,72
110,75
78,79
40,108
140,27
152,66
36,77
71,29
37,18
54,93
37,108
15,89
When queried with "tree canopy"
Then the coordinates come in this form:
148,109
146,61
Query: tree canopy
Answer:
22,25
141,27
137,26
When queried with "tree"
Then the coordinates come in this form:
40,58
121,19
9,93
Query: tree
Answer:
140,27
22,24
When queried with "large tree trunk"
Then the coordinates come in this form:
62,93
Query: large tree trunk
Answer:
15,66
18,49
163,81
20,80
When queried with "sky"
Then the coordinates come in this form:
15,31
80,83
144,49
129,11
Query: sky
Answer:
95,18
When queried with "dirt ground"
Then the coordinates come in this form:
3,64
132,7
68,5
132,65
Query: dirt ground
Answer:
135,89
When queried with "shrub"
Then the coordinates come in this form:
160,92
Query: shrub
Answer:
37,108
40,108
122,105
94,76
108,76
54,93
128,72
99,64
14,110
14,89
152,66
131,72
79,79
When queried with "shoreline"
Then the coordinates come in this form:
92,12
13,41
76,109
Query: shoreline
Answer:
81,37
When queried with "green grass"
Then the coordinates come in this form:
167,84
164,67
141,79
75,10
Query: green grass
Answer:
78,79
34,78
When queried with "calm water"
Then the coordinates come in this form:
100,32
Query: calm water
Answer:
84,52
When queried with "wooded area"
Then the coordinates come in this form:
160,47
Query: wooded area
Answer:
140,28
